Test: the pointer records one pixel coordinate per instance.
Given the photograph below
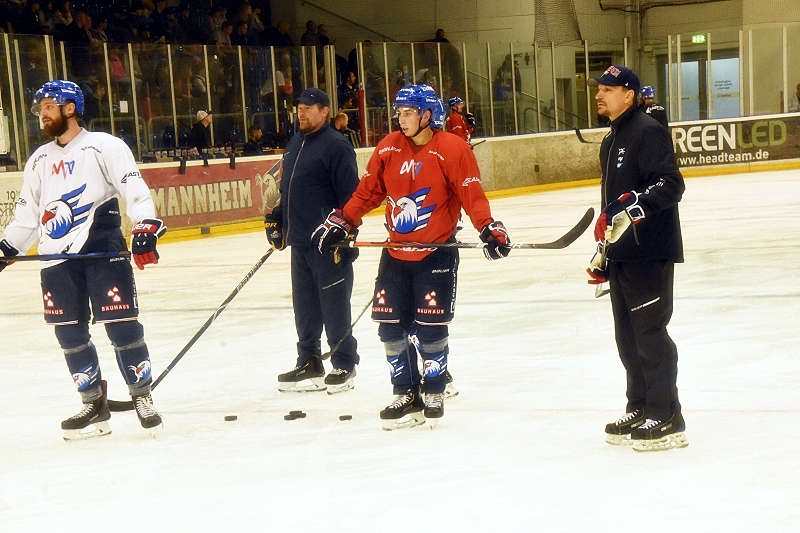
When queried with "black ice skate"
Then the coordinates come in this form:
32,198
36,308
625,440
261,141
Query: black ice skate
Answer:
148,416
307,377
657,435
450,390
434,409
339,380
618,433
404,412
91,421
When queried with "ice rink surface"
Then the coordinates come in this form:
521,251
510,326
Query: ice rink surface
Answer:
521,449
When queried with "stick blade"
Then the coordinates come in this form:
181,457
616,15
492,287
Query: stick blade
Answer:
569,237
117,406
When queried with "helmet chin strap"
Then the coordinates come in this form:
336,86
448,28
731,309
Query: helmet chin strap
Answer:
420,127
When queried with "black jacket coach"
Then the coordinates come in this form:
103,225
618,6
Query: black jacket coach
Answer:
319,174
637,155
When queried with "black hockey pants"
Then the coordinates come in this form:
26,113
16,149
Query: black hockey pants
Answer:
641,300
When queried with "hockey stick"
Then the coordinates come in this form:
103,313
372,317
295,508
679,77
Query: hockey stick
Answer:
473,145
347,333
59,257
562,242
581,139
114,405
599,290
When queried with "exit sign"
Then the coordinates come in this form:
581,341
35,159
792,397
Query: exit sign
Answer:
700,38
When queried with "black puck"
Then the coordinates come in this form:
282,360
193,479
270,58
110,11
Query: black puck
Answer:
295,412
289,417
345,417
231,418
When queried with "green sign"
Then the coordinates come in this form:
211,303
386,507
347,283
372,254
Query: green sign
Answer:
699,38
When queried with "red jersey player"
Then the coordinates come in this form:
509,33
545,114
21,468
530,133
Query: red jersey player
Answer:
456,124
426,176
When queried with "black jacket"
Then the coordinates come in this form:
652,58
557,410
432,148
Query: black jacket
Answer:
636,155
657,112
319,173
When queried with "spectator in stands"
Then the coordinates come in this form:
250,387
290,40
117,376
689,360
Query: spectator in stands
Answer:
201,131
214,22
253,145
63,15
159,25
322,35
225,34
340,123
347,91
440,38
310,37
98,31
241,35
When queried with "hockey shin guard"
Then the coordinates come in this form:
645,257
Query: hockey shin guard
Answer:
434,366
132,355
401,356
82,361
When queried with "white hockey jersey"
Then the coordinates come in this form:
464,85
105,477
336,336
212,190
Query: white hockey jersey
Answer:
64,186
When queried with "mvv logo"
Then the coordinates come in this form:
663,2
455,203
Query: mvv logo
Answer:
411,166
63,167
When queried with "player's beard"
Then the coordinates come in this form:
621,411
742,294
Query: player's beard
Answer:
57,126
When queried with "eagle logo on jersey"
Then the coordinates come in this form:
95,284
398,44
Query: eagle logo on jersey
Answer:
141,371
63,215
407,214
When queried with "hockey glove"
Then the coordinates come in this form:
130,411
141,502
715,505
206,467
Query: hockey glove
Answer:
143,241
273,225
618,216
333,230
7,251
498,243
597,267
469,118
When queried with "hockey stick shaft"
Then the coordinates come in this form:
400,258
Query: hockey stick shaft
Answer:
582,139
473,145
60,257
127,406
347,333
562,242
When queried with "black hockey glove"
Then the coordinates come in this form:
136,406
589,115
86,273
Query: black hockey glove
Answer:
7,251
333,230
346,254
273,226
469,118
498,243
145,234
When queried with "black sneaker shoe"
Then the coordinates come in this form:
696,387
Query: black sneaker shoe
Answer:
404,412
148,416
304,378
90,421
340,380
434,408
656,435
618,432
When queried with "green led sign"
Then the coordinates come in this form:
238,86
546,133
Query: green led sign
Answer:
699,38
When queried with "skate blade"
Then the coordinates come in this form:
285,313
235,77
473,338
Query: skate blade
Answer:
619,440
344,387
99,429
432,423
155,431
409,421
306,385
450,392
676,440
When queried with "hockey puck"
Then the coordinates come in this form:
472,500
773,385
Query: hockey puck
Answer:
289,417
345,417
231,418
296,412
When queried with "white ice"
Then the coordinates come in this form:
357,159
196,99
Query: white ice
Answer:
521,449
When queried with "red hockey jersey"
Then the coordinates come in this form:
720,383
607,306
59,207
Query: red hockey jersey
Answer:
457,126
425,188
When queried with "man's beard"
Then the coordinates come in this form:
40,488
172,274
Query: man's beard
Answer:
57,126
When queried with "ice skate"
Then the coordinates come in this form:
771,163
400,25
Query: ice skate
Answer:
90,421
658,435
148,416
434,409
308,377
450,390
340,380
404,412
618,433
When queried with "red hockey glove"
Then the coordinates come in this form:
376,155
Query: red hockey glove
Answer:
6,250
597,267
333,230
618,216
498,243
143,241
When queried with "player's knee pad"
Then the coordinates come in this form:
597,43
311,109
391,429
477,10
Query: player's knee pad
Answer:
388,332
72,335
431,336
132,355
